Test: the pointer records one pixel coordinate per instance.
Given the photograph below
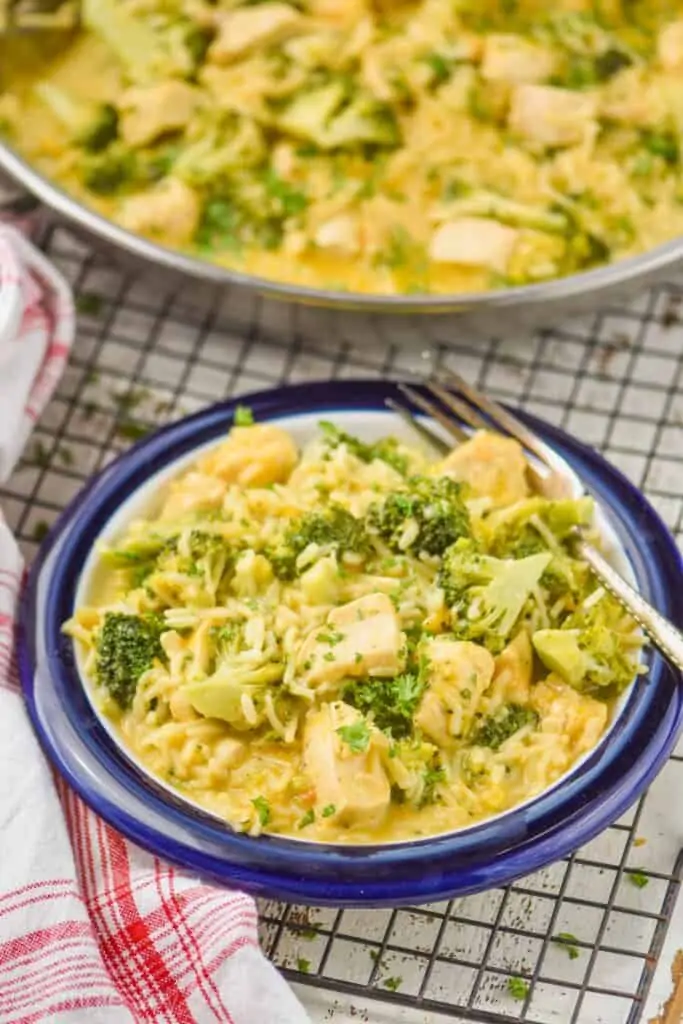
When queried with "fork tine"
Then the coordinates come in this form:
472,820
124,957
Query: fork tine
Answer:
433,410
500,416
461,409
438,443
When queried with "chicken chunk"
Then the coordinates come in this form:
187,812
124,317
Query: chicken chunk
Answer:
513,59
148,112
545,115
340,234
670,46
635,99
459,673
492,466
194,492
351,786
242,29
170,211
474,242
253,456
578,718
361,638
513,671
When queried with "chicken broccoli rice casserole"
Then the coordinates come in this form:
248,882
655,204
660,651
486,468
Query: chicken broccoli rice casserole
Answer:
353,642
421,146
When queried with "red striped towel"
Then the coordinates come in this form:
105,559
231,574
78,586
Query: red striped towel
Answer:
92,929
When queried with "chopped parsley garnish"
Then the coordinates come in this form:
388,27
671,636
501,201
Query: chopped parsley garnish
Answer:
356,736
303,965
439,67
307,819
220,225
638,878
569,942
393,983
332,638
328,811
288,200
518,988
243,417
262,808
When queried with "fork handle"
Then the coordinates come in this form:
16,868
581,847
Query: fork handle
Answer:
661,632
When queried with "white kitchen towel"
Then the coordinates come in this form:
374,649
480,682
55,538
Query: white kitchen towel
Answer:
92,929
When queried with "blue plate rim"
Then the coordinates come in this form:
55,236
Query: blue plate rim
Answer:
361,395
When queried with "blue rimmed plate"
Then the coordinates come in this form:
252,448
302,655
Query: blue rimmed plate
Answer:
488,854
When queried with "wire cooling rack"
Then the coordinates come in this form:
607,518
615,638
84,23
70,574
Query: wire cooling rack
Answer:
576,943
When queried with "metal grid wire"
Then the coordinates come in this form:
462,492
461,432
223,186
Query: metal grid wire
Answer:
145,355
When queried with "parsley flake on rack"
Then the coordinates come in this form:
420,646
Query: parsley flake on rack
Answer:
569,942
518,987
638,878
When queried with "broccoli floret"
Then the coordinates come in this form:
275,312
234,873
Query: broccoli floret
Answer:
220,224
428,516
138,556
308,114
163,45
219,144
386,449
594,649
487,595
390,702
210,555
416,770
221,695
197,553
110,172
102,130
135,551
481,203
126,647
247,209
496,729
535,524
197,42
364,122
335,529
560,652
582,72
664,144
328,117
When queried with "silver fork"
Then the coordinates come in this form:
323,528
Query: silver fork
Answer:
452,402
